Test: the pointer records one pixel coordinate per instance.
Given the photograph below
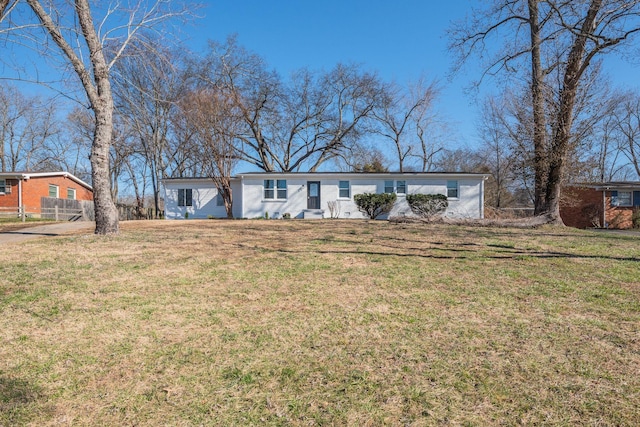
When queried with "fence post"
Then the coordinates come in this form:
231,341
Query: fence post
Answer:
22,213
56,210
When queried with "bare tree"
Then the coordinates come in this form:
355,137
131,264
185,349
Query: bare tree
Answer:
506,129
147,86
211,114
361,157
184,147
82,126
429,129
628,124
495,151
27,127
403,117
294,126
561,36
608,159
90,50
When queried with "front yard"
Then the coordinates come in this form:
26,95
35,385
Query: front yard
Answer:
321,323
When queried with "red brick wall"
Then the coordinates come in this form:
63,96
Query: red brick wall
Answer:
581,207
618,216
10,200
35,188
581,204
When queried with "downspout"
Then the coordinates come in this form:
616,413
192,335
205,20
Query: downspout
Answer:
604,209
482,202
22,212
242,215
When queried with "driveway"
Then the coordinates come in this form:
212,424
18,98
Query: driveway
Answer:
48,230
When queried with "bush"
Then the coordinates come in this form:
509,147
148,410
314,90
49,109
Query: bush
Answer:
427,205
635,218
373,205
593,212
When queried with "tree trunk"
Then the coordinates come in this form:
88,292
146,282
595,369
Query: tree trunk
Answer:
539,119
400,155
105,210
576,64
227,196
98,89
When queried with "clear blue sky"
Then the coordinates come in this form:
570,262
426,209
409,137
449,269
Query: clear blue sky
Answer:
399,39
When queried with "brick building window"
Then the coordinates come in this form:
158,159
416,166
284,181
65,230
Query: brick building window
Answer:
54,191
71,193
622,198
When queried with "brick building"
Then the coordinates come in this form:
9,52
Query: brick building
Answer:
601,205
27,189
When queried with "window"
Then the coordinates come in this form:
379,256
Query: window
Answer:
185,197
344,190
275,189
4,187
388,186
71,193
53,191
452,189
401,187
268,189
282,188
621,198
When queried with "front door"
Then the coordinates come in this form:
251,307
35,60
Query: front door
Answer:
313,194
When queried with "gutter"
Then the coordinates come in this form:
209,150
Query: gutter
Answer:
23,214
604,209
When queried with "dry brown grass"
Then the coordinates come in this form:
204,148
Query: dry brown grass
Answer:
327,322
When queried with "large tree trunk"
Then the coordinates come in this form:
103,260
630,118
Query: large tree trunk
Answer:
105,210
557,155
539,118
98,90
101,98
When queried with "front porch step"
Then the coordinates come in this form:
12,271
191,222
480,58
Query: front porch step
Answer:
313,213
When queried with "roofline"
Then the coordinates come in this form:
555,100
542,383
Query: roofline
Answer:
368,174
196,178
28,175
343,174
604,186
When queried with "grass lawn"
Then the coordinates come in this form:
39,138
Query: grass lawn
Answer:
321,323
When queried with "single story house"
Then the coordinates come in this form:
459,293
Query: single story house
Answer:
600,205
319,195
26,190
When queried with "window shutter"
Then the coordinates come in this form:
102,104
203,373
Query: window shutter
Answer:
189,201
614,198
636,198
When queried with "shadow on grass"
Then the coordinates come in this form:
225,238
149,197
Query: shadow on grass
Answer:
16,400
469,251
27,233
